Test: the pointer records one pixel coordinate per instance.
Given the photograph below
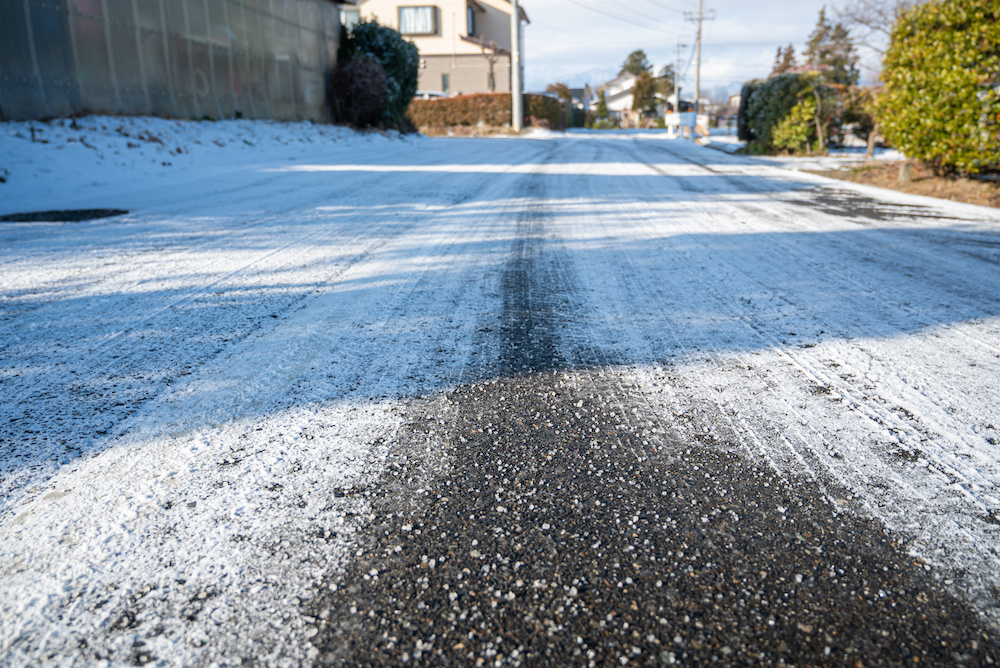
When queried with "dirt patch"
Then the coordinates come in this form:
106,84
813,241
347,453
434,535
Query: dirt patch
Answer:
970,191
68,216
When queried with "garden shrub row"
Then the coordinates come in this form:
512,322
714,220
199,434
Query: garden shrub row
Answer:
485,109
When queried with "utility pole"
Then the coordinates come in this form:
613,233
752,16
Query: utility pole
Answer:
517,112
677,79
698,18
677,90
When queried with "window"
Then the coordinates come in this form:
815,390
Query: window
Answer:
418,20
470,19
445,84
350,18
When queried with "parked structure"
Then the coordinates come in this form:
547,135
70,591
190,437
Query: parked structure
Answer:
175,58
464,44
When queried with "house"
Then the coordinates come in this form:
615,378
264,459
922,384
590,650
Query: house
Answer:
464,45
618,94
582,98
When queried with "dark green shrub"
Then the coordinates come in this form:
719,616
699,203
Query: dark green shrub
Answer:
771,102
743,130
399,60
791,112
357,92
941,102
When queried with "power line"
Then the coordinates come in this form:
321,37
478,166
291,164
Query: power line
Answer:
662,6
647,26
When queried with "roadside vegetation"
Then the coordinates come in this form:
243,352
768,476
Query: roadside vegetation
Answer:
922,181
940,99
375,79
483,112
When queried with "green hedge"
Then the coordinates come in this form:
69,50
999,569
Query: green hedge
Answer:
488,109
776,114
941,103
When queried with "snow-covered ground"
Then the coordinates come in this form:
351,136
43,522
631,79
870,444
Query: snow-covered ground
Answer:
853,154
190,388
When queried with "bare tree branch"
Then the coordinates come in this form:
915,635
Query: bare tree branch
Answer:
872,20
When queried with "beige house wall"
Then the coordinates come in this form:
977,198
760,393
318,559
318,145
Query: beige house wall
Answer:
466,74
447,52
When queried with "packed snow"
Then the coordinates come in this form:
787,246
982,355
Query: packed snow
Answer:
193,392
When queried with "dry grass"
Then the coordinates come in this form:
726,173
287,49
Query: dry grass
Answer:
465,131
886,175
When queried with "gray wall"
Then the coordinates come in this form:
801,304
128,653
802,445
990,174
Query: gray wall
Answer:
264,59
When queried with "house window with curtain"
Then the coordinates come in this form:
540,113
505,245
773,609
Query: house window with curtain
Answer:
470,19
350,18
418,20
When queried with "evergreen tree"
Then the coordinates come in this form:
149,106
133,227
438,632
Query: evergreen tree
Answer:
788,59
941,101
778,57
636,63
644,93
784,60
831,52
665,81
602,105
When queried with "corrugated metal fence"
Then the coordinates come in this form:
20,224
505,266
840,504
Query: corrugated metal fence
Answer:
176,58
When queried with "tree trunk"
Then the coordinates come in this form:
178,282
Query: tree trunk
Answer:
905,172
872,138
820,138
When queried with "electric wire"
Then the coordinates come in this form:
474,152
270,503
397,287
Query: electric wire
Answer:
647,26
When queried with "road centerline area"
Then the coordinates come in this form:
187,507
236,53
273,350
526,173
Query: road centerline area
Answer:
564,526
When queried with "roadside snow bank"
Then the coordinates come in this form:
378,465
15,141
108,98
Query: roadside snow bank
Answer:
49,164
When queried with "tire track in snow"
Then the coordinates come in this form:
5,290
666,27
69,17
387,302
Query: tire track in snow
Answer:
542,516
979,492
42,393
232,493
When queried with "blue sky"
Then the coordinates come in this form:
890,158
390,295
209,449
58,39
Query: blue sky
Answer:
569,41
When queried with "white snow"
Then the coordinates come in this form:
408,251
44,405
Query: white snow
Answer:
196,394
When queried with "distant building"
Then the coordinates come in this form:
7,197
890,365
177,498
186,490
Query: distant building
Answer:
583,98
464,45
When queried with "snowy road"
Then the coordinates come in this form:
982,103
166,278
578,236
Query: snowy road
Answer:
223,412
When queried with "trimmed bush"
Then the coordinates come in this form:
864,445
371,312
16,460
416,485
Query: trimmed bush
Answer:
743,130
771,102
399,60
941,102
796,131
358,92
488,109
538,108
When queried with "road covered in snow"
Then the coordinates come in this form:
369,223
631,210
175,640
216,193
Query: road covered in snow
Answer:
322,397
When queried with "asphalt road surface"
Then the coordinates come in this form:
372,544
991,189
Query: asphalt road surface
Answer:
594,400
